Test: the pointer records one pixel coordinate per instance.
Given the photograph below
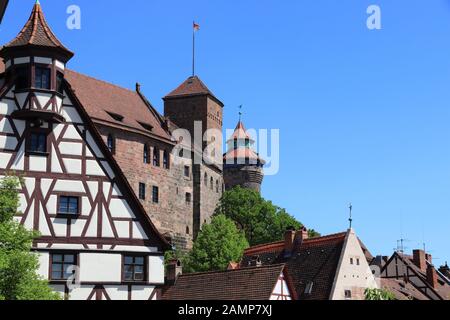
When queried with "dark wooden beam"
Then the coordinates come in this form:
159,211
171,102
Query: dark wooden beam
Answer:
3,5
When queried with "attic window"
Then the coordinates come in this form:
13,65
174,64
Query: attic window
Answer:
309,287
146,126
115,116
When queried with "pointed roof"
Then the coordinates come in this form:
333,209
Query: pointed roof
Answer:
240,133
192,86
36,32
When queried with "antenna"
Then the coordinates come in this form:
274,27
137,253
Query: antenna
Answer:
350,219
401,248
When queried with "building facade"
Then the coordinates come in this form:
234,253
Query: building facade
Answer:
97,242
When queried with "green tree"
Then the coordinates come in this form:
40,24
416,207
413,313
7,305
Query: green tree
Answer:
261,220
18,266
378,294
218,243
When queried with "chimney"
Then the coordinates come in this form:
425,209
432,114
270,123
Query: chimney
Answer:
432,276
445,270
302,234
429,258
174,270
255,262
138,87
289,237
419,259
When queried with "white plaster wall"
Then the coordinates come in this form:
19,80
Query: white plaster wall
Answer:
98,267
117,292
44,261
38,164
352,276
141,292
81,293
156,270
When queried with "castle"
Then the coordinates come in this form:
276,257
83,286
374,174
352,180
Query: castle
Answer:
173,162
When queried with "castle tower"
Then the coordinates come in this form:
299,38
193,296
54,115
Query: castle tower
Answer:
188,106
241,165
35,62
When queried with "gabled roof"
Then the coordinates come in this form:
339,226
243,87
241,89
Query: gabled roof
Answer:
36,32
402,290
313,260
107,103
256,283
192,86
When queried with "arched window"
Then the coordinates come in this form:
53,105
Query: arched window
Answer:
156,156
166,160
187,230
206,179
217,186
111,143
212,183
146,154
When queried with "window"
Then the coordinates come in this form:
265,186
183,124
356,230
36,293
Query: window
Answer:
146,154
188,197
357,261
134,268
309,287
187,172
22,78
351,260
111,143
217,186
61,264
156,157
42,78
348,294
68,205
187,230
142,191
155,194
166,159
211,183
206,179
59,82
37,142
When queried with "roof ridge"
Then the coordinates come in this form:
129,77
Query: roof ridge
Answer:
269,266
103,81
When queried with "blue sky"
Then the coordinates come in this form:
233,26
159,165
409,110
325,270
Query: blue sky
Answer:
363,115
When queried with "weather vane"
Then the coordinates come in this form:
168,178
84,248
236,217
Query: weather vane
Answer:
240,112
350,219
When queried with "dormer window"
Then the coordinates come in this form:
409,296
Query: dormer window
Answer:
22,78
42,78
115,116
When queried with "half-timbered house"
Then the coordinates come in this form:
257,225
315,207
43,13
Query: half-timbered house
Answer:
96,240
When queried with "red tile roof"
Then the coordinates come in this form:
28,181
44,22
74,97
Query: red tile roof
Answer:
313,260
102,100
256,283
36,32
402,290
240,133
192,86
241,153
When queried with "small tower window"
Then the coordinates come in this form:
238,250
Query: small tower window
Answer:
166,159
211,183
217,186
206,179
59,82
42,78
22,78
155,194
187,230
111,143
146,154
187,171
188,198
156,157
142,191
235,143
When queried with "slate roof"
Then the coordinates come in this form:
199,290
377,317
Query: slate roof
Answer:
36,32
313,260
103,100
256,283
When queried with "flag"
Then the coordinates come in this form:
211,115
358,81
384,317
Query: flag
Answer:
196,27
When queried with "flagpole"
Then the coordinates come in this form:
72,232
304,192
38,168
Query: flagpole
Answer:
193,48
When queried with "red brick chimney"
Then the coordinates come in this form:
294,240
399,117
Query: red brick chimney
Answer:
174,269
429,258
432,276
419,259
289,237
301,235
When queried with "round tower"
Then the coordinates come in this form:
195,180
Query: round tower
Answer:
242,166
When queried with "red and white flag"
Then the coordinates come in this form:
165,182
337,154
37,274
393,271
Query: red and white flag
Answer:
196,27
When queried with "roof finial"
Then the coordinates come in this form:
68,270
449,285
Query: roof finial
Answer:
240,113
350,219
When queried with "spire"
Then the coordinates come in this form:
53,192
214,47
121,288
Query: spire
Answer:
240,133
38,34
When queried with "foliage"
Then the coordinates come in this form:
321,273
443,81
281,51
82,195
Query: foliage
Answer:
18,266
261,220
217,244
378,294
